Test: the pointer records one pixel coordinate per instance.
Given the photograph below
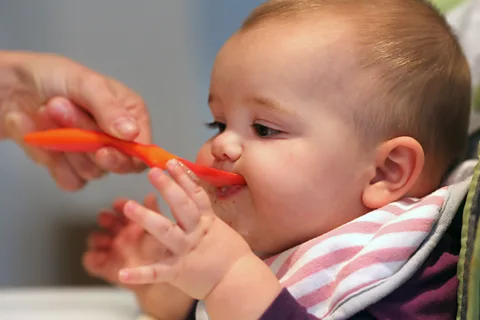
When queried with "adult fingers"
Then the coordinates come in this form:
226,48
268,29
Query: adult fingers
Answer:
65,114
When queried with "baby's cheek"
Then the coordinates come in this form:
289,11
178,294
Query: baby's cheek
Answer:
204,155
222,210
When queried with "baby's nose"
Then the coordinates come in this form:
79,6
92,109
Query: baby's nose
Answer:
227,147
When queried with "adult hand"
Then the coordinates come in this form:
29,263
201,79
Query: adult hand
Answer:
40,91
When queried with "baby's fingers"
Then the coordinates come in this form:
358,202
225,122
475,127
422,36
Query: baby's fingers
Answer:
118,205
164,230
185,178
147,274
94,262
183,208
111,222
151,203
99,241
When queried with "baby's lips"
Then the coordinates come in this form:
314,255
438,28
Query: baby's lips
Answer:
214,176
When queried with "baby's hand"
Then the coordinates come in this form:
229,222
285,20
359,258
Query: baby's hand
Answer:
206,258
125,244
203,250
122,243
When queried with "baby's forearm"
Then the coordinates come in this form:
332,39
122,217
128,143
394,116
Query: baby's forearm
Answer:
245,292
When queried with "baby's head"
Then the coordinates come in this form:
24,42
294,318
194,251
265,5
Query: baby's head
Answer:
331,109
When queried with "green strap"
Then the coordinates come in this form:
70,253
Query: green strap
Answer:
473,305
468,271
476,98
446,5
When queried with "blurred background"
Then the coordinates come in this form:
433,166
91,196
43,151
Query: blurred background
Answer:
162,49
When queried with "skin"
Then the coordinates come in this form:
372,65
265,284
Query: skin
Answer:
284,86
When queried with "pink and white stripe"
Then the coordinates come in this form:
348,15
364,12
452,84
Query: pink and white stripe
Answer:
327,270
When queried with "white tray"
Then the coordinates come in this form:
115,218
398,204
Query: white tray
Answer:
71,304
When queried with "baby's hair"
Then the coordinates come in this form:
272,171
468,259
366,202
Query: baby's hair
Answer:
421,72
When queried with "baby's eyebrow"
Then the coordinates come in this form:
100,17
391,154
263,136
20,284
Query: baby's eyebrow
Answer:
272,105
263,102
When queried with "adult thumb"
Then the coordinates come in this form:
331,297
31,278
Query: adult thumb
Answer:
113,106
112,115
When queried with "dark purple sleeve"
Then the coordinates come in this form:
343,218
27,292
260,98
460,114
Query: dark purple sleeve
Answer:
191,315
285,307
431,294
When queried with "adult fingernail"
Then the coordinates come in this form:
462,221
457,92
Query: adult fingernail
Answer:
125,127
12,121
60,108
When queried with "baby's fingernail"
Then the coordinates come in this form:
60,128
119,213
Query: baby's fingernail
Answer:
123,275
125,127
172,164
189,172
129,208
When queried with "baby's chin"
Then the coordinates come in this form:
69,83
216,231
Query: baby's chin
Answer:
209,189
231,217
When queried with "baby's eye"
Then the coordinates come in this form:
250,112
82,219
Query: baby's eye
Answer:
217,125
264,131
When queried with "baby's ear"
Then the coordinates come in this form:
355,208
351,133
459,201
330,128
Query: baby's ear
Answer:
398,162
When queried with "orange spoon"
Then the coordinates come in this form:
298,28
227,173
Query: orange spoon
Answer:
78,140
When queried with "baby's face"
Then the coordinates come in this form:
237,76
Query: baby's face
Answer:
272,96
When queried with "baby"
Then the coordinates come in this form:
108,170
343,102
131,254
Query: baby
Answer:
344,116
